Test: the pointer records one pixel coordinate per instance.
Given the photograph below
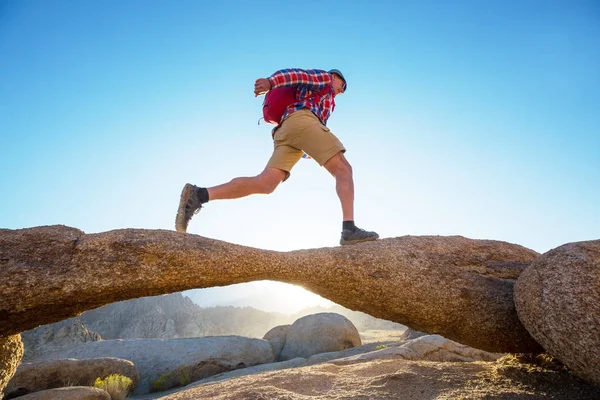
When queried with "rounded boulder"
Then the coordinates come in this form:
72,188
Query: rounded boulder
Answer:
42,376
319,333
558,300
276,337
69,393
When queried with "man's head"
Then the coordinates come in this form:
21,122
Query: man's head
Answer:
338,82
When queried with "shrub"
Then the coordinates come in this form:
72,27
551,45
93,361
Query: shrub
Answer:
161,383
117,386
185,376
180,377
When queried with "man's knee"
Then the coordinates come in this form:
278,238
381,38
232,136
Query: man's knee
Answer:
339,166
269,179
268,187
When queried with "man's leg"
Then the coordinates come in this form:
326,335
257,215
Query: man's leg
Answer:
193,197
321,144
278,169
264,183
340,168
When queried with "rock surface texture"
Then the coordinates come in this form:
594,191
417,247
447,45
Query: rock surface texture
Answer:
51,338
319,333
276,337
155,358
36,377
426,348
69,393
11,352
558,300
398,379
457,287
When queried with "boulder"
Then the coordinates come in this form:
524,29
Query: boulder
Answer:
319,333
35,377
411,334
438,348
157,358
11,352
558,300
425,348
276,337
453,286
69,393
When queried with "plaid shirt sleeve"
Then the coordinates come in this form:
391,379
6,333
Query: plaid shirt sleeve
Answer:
314,79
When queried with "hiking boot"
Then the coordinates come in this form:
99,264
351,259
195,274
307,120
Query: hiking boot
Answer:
357,236
189,205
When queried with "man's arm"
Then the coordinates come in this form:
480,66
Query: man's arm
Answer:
314,79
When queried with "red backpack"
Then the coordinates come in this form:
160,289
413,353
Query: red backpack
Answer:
278,99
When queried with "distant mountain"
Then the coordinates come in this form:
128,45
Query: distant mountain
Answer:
56,336
159,317
173,316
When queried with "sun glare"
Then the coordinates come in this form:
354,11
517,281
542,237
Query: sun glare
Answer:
290,298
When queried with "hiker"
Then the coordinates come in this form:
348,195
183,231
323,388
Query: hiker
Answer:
300,129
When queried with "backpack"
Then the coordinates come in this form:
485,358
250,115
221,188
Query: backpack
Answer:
279,99
276,101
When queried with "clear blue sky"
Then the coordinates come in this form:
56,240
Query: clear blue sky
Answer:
473,118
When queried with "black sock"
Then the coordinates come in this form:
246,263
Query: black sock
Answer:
349,225
203,193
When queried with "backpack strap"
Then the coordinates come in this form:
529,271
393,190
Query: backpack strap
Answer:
322,93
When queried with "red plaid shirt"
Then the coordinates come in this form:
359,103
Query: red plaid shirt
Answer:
310,82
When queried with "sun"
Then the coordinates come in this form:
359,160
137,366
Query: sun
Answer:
289,298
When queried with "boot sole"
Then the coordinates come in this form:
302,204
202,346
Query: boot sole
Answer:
180,223
348,242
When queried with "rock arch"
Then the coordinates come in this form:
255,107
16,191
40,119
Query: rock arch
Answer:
453,286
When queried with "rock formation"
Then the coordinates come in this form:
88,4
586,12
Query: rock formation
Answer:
276,337
37,377
160,317
11,351
69,393
558,300
457,287
399,379
319,333
155,358
56,336
411,334
429,348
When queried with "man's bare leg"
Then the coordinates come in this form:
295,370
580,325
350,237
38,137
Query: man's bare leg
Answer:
193,197
340,168
264,183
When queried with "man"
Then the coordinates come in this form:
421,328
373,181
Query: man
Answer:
302,129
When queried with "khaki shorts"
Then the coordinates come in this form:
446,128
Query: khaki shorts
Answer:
302,132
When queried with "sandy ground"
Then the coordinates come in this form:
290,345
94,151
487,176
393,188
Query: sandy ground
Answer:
398,379
374,336
510,377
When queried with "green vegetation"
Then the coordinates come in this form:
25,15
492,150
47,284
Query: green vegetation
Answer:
185,376
180,377
117,386
161,383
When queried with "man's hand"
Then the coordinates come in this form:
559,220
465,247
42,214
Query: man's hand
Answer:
261,86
